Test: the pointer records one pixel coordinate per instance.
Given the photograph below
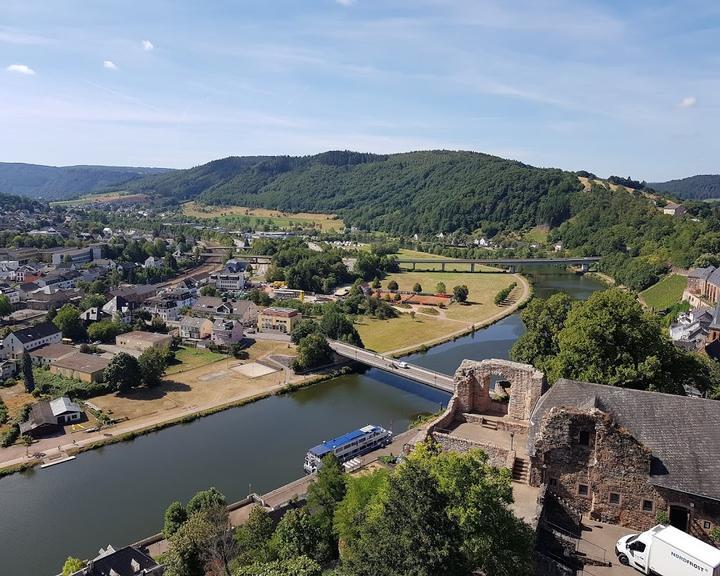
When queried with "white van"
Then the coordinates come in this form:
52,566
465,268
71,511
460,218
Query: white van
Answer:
667,551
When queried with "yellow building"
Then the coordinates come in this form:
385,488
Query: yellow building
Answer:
80,366
141,341
281,320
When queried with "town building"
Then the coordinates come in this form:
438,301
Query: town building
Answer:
673,209
226,332
48,417
624,455
281,320
76,255
45,355
127,561
228,281
94,314
28,339
80,366
192,328
118,308
288,294
141,341
214,307
690,330
703,286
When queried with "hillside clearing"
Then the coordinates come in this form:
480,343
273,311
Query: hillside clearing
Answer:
665,293
326,222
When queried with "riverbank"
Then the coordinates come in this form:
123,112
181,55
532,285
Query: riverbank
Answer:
17,458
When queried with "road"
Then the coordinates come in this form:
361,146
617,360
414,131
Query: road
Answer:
388,364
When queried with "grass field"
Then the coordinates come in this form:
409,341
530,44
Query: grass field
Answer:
538,234
229,214
189,358
404,331
665,293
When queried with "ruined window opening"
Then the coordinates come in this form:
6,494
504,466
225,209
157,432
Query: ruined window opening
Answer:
553,482
614,498
584,438
648,506
583,489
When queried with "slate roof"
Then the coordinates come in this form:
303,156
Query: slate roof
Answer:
40,414
81,362
42,330
192,322
122,562
682,432
53,351
715,322
714,277
701,273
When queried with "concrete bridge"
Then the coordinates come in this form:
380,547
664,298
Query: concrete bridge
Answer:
411,371
511,263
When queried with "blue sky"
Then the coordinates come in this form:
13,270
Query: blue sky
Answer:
613,87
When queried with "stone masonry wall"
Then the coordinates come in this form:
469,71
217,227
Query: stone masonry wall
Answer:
612,463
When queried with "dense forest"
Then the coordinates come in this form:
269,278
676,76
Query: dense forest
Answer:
418,192
13,202
701,187
57,183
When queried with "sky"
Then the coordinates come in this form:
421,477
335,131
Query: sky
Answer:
613,87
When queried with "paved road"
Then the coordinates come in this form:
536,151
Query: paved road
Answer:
411,371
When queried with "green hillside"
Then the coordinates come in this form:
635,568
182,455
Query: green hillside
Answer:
61,182
701,187
423,192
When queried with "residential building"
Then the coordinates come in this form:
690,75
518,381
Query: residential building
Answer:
153,262
94,314
278,320
213,307
118,308
48,417
8,368
80,366
141,341
690,329
27,339
47,354
76,255
195,328
226,332
673,209
703,284
128,561
167,305
228,281
624,455
46,298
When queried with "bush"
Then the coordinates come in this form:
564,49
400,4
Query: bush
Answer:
56,385
9,438
501,296
3,412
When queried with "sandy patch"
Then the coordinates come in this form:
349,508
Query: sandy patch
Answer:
253,369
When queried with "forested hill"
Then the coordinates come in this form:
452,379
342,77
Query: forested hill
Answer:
701,187
60,182
424,192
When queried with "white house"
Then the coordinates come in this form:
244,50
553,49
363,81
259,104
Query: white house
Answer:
20,341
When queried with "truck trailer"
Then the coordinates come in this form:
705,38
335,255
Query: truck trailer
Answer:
667,551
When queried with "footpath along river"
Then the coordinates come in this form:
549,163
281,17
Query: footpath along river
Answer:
117,494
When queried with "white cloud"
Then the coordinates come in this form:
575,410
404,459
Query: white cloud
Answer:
345,2
110,65
148,46
688,102
21,69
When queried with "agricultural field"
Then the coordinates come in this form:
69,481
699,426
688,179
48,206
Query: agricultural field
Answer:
254,216
665,293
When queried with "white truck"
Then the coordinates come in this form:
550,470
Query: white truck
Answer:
667,551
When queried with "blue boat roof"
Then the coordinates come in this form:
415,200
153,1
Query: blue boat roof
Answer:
329,445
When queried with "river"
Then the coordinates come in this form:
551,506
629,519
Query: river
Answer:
117,494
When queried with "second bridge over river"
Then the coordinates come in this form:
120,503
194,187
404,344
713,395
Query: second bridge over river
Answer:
411,371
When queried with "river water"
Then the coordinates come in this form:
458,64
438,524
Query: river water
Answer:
117,494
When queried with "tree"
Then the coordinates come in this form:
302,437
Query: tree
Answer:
5,305
336,325
300,566
98,287
440,288
92,301
27,370
376,283
460,293
175,516
417,288
324,494
72,565
158,325
208,290
206,499
304,328
123,372
296,535
105,330
312,351
253,537
152,363
392,285
412,534
68,322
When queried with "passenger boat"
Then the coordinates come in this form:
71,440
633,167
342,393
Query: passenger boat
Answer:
348,446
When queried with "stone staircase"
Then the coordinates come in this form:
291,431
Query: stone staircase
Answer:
521,470
489,424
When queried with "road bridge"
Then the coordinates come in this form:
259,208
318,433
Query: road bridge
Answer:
583,262
406,370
